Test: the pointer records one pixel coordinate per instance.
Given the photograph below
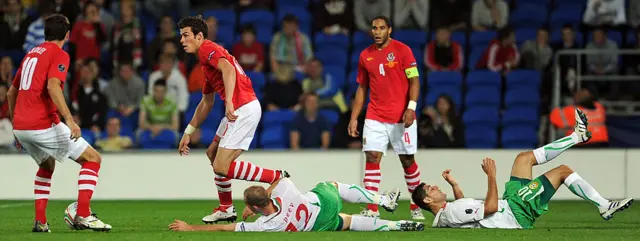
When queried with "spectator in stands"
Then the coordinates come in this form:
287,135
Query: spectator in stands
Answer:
603,63
13,27
127,37
586,100
212,24
35,31
452,14
411,14
157,112
176,83
249,52
489,14
158,8
125,91
442,54
283,93
88,102
171,49
502,53
290,48
114,141
6,70
94,68
106,18
310,129
6,128
341,137
167,32
366,10
633,15
536,54
324,87
568,63
68,8
333,16
441,127
87,35
605,13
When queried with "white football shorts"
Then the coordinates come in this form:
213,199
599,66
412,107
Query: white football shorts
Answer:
239,134
51,142
376,136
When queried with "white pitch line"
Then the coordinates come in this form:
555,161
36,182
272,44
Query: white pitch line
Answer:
13,205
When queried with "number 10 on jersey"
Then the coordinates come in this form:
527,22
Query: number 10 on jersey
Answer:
26,75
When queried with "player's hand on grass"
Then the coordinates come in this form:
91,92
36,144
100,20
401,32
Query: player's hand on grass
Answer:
247,213
489,166
408,117
179,225
446,174
75,130
353,128
229,112
183,148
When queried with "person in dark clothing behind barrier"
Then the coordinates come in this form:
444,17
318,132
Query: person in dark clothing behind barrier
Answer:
441,127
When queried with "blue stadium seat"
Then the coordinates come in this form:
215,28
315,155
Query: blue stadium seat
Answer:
336,41
419,56
523,35
274,137
481,39
194,99
207,136
130,122
331,116
303,15
556,37
226,36
632,37
258,80
483,78
361,40
255,141
521,116
523,78
298,3
15,55
481,137
333,57
519,138
412,38
528,15
566,14
474,57
483,97
522,97
262,20
277,118
338,74
486,116
444,78
458,37
615,36
352,85
88,135
165,140
225,17
355,58
453,91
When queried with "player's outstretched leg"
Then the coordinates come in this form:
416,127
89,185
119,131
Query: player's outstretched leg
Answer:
552,150
412,178
42,188
362,223
90,161
357,194
581,188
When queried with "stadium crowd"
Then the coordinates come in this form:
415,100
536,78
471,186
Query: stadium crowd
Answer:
486,73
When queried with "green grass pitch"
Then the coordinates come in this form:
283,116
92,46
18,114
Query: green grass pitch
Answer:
148,220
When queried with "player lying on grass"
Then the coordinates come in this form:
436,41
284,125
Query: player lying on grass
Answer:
524,199
285,208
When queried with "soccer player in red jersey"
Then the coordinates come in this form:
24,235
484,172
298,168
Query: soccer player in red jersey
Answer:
224,75
35,97
389,69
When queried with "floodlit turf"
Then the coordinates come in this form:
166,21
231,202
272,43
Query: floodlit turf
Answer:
148,220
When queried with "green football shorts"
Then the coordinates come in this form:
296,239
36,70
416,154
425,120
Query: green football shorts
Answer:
330,206
528,199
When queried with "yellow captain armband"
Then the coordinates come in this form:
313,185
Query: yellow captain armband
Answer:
412,72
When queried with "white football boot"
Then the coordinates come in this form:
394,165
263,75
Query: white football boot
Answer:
91,222
416,214
369,213
581,125
392,200
221,214
614,207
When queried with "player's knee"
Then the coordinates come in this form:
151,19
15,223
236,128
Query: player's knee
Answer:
373,157
525,158
565,169
91,155
220,169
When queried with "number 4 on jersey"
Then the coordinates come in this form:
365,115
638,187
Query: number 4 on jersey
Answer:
382,70
26,76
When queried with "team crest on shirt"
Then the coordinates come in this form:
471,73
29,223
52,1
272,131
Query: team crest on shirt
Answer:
211,55
391,57
369,59
61,68
533,185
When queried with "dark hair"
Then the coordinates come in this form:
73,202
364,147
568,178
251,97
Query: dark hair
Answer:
567,26
290,18
122,63
45,7
544,28
596,29
87,5
56,27
418,196
386,20
248,29
504,33
90,60
256,196
197,25
452,116
160,82
314,59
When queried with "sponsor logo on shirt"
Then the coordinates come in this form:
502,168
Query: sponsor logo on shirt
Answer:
391,57
61,68
414,64
370,58
211,55
468,211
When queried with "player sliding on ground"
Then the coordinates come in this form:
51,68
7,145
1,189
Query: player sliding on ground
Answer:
284,208
524,200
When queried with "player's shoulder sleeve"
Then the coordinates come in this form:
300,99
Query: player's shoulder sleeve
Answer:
210,53
408,61
58,65
262,224
463,211
282,187
249,226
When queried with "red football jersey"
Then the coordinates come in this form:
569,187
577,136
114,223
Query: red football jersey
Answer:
34,108
209,54
384,71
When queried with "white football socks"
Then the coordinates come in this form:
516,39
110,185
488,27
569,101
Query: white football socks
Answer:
582,189
357,194
554,149
361,223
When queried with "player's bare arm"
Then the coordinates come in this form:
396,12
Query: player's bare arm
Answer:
55,92
12,96
229,80
414,93
457,191
201,113
356,108
491,201
182,226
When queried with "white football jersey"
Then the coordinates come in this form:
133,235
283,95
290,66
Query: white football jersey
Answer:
469,213
296,212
